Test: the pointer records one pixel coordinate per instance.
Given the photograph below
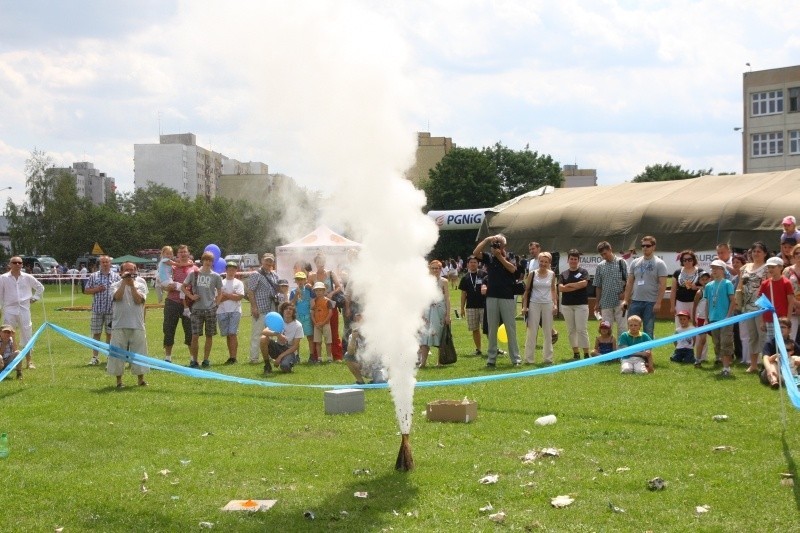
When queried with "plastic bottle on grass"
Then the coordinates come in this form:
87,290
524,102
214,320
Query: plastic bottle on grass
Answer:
4,446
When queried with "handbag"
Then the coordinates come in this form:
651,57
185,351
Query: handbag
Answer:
447,349
519,288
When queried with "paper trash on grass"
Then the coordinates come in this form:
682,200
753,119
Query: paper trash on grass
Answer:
486,508
533,455
249,505
656,484
165,472
145,477
361,494
498,517
724,448
207,525
561,501
615,509
623,469
489,479
700,509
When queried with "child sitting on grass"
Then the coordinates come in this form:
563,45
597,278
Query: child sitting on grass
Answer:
684,348
8,349
771,374
605,342
639,362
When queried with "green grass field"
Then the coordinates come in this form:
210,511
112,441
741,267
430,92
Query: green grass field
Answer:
80,448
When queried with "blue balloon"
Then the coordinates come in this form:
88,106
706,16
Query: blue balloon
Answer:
219,265
274,321
214,249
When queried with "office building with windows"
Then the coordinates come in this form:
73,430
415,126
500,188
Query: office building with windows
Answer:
771,127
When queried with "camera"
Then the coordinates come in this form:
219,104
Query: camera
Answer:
127,275
496,244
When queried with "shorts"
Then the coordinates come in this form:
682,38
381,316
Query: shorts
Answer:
207,317
474,318
99,322
308,326
229,323
323,331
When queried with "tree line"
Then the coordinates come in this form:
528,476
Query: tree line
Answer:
55,221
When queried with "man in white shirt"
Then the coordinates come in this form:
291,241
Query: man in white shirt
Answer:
229,310
18,290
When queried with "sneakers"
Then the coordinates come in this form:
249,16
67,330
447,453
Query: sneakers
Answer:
168,358
94,361
193,364
230,361
518,363
206,363
31,366
490,365
726,373
268,368
554,337
501,352
576,356
477,352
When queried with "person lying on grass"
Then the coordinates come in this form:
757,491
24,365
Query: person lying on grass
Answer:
639,362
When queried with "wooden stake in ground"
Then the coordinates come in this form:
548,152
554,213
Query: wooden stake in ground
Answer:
405,461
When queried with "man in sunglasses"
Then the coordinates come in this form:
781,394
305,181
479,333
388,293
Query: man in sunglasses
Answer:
646,284
18,290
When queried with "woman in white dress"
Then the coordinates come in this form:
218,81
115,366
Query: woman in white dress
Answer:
436,316
540,301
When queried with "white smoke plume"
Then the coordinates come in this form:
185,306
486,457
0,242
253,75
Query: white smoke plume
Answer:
327,84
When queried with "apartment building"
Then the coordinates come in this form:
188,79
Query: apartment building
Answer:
771,125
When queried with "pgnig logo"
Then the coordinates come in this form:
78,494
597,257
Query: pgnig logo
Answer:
440,220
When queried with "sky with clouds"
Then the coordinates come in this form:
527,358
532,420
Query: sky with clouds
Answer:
611,84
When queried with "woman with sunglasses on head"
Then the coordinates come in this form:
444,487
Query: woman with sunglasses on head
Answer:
684,286
750,277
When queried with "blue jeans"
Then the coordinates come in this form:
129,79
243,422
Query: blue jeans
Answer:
646,312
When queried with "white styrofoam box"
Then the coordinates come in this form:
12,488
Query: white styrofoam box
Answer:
340,401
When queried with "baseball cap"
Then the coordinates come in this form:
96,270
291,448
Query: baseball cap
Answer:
718,263
775,261
230,264
6,327
283,282
683,313
789,220
299,275
319,285
788,239
268,256
604,324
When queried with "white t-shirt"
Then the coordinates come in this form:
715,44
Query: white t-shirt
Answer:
293,331
231,286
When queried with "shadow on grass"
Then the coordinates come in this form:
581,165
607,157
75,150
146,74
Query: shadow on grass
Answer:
791,467
9,393
386,493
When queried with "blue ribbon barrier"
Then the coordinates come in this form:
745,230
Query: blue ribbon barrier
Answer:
789,382
22,353
158,364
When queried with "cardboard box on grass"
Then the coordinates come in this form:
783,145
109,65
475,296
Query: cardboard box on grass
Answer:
343,401
452,411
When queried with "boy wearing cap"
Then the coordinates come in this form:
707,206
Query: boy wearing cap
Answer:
283,292
684,348
719,295
8,349
789,224
321,317
204,288
229,310
301,297
779,291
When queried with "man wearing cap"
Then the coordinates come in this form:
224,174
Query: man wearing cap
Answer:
719,294
127,325
229,310
778,289
262,291
301,298
18,290
204,288
98,286
645,286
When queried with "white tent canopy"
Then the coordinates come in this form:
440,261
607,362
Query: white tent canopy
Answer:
321,240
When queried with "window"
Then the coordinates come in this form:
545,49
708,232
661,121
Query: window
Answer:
794,142
767,144
794,99
767,103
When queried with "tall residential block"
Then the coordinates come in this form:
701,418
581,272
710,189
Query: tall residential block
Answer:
771,125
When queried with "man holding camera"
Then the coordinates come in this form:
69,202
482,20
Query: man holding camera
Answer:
127,324
500,301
